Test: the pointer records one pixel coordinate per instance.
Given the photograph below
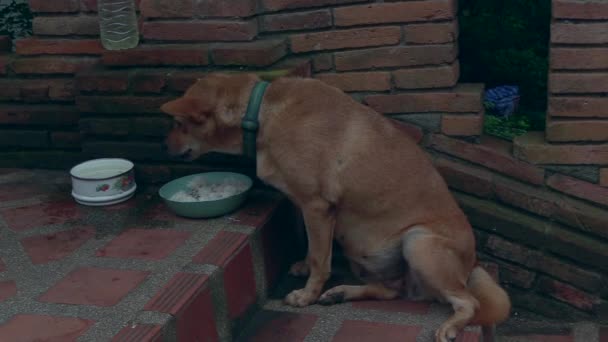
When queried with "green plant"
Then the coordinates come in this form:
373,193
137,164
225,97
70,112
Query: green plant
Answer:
506,128
16,20
507,42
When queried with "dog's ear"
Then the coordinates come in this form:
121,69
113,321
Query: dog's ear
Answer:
189,108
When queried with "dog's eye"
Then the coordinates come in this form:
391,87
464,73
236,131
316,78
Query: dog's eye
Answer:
177,124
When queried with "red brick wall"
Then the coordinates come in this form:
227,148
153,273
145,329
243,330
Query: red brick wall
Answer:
578,82
63,95
545,230
577,118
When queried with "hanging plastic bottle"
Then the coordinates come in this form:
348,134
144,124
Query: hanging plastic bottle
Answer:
118,24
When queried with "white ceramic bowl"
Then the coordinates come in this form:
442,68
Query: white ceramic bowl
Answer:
105,181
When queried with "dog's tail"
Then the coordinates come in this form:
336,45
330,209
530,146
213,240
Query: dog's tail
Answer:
494,303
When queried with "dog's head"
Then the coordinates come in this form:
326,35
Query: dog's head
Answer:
207,118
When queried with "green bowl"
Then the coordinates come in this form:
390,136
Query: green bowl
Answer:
204,209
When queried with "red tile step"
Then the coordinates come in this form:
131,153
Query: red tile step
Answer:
365,331
140,333
545,338
232,252
94,286
400,305
279,326
43,249
43,328
187,297
190,297
38,215
8,289
147,244
10,192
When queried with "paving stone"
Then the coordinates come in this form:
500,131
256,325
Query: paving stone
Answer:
405,306
52,247
149,244
11,192
8,289
279,326
26,328
94,286
43,214
128,205
468,336
160,212
544,338
363,331
139,333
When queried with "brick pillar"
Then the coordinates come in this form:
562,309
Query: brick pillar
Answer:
578,80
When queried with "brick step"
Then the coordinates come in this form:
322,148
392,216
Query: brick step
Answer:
365,321
186,279
134,271
396,320
391,322
533,148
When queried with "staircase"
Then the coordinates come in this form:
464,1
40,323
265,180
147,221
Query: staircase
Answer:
135,272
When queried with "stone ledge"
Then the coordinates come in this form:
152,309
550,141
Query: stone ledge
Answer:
533,148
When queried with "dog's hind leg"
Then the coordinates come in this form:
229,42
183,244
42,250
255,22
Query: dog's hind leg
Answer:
344,293
442,271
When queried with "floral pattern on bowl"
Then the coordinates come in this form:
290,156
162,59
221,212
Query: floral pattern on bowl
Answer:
124,183
102,188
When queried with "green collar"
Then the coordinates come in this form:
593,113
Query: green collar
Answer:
250,124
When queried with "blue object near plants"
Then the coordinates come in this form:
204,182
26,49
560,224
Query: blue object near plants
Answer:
502,101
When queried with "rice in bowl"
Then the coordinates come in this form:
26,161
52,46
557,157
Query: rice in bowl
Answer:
199,190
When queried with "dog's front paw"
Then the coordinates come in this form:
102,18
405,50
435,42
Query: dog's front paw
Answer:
300,269
300,298
446,334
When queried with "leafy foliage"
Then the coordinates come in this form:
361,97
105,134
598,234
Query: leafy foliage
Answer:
16,20
506,128
507,42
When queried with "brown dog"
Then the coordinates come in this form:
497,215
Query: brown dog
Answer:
358,179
